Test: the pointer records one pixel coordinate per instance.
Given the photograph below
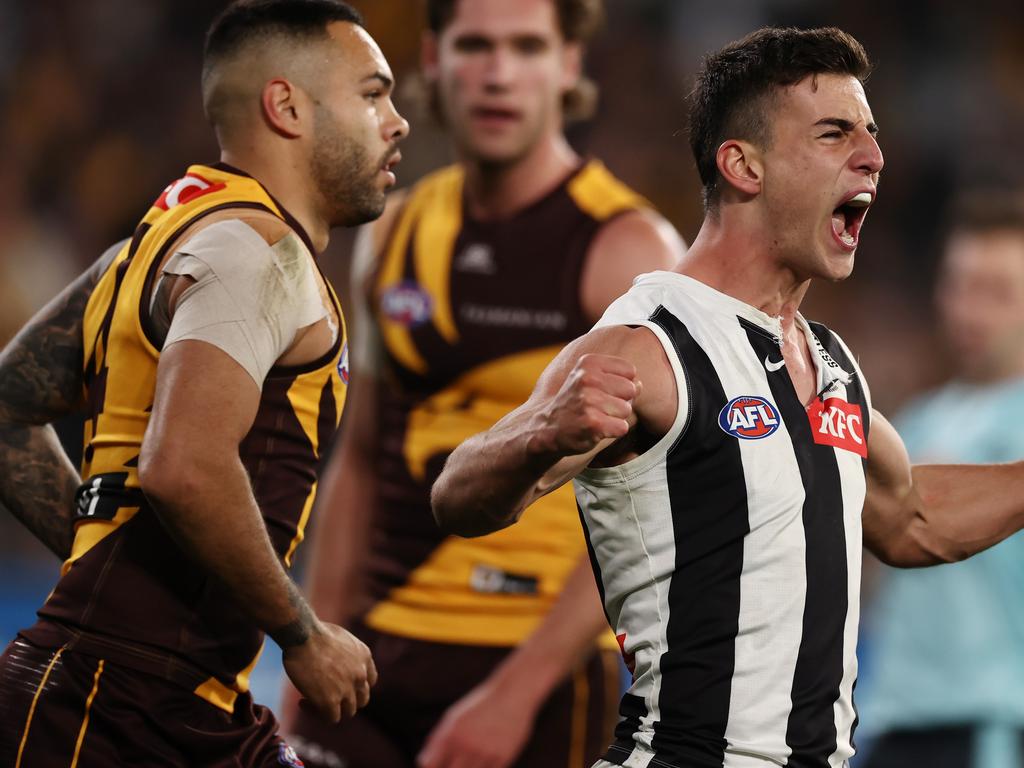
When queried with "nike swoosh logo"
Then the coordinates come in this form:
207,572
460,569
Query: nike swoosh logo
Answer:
773,367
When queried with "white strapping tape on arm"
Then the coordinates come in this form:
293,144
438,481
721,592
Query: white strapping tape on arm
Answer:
249,298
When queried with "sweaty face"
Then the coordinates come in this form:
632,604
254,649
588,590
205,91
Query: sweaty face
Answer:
820,174
502,68
980,299
356,129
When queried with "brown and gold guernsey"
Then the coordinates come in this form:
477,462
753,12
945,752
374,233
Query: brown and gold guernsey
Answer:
470,313
128,593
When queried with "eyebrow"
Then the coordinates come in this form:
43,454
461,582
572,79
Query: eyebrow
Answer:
847,125
385,81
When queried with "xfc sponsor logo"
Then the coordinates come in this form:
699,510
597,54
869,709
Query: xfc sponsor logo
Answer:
839,424
749,417
406,304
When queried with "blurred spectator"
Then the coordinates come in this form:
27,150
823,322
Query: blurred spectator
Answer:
964,619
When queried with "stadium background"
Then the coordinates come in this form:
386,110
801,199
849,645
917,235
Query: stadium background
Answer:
101,109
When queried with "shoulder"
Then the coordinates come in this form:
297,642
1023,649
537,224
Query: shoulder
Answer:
628,245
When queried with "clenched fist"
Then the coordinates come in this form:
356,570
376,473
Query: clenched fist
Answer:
333,670
595,402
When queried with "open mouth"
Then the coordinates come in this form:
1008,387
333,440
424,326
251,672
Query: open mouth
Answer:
848,217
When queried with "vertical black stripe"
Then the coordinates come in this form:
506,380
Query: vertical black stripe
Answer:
854,394
811,730
707,493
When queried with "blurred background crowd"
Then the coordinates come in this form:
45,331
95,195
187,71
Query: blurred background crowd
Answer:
101,109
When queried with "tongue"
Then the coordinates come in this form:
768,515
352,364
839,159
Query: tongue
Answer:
838,222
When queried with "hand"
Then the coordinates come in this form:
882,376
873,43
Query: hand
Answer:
333,669
483,729
595,402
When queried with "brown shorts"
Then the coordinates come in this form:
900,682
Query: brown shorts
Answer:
68,709
418,682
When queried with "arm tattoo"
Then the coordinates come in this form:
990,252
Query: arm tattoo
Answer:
298,631
40,381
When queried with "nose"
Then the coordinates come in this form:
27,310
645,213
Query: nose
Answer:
499,69
868,157
397,127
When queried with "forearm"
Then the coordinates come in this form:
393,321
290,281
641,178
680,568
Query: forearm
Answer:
560,642
490,479
38,484
209,509
958,511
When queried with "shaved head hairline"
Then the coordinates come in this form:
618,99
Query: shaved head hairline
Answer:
238,77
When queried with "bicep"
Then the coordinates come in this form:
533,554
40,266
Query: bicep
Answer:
205,402
889,485
41,368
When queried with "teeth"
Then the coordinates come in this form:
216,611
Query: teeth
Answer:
847,238
864,198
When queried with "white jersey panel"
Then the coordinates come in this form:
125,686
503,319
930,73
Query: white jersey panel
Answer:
657,545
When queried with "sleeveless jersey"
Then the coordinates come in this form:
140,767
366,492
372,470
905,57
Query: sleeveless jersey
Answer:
470,313
728,555
128,592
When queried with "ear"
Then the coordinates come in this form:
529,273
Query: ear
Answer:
740,165
572,65
429,61
284,107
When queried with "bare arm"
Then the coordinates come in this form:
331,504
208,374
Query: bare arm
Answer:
489,726
634,243
931,514
40,381
587,399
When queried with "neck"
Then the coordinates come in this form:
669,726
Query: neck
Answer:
287,182
495,191
734,260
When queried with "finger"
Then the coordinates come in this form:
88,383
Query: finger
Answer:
609,426
609,364
614,406
613,384
362,694
330,711
371,671
348,704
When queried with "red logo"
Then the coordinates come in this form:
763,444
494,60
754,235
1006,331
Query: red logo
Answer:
629,658
838,423
186,189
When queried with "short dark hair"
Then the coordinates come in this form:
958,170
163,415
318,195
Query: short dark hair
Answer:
735,87
987,209
578,21
245,21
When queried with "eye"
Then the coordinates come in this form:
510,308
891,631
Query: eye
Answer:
374,95
831,135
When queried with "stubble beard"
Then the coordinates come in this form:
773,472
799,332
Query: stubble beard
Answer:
345,177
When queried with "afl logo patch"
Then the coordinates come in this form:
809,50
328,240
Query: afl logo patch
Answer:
343,364
286,756
406,304
749,417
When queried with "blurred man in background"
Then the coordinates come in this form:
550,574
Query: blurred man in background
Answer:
207,353
472,282
947,687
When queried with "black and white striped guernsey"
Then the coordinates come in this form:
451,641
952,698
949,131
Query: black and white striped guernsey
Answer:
728,555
